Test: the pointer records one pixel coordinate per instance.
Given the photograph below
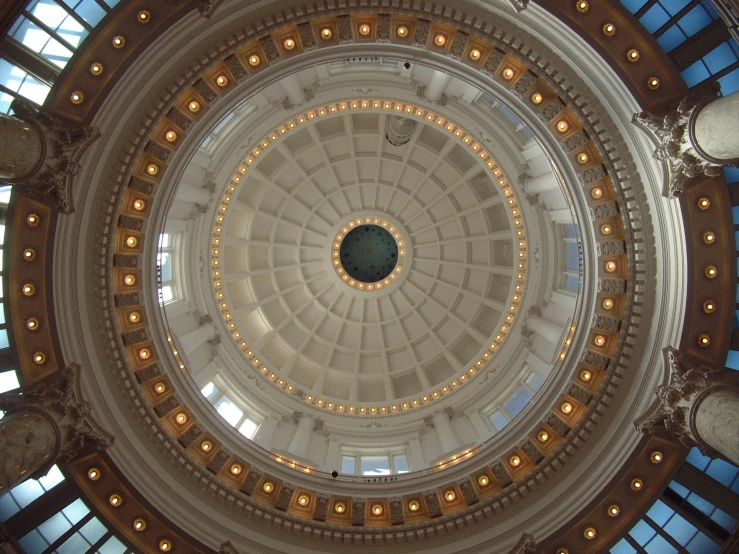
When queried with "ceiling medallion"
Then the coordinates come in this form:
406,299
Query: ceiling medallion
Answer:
363,260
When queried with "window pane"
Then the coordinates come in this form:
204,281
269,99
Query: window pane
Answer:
166,293
623,547
534,382
248,428
229,411
33,543
76,511
90,11
8,507
573,257
112,546
4,343
164,259
27,492
375,465
54,527
93,530
347,465
401,463
76,544
517,402
498,419
165,240
209,391
8,380
51,479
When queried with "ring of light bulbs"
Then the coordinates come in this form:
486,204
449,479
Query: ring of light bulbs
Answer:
377,105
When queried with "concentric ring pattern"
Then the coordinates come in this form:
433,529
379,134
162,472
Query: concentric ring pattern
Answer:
328,338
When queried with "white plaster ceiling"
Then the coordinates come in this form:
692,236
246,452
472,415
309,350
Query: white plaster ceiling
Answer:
332,339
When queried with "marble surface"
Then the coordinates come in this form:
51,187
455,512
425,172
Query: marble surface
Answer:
717,422
27,440
717,128
21,148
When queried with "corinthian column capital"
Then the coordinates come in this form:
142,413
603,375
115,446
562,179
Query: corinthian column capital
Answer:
59,400
677,143
680,397
62,147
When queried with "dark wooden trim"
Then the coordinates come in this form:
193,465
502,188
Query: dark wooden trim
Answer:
700,44
41,509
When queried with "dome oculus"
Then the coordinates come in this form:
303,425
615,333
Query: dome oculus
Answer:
369,253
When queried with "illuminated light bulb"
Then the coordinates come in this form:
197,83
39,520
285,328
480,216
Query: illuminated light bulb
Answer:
181,418
170,136
139,525
364,29
633,55
589,533
32,324
236,469
585,375
402,31
115,500
160,388
704,341
221,81
596,193
414,506
582,158
704,203
515,461
377,509
475,54
339,507
653,83
289,44
28,289
599,340
563,126
119,41
566,408
96,68
440,40
537,98
483,480
609,29
711,272
606,229
508,74
93,474
542,436
562,550
709,306
152,169
611,266
144,16
129,280
614,510
193,106
77,97
139,205
656,457
39,358
144,353
709,237
303,500
206,446
165,545
450,496
326,33
637,484
582,6
132,242
268,487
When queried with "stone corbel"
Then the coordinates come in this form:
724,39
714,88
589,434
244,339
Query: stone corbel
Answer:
676,146
526,545
684,389
519,5
63,146
59,399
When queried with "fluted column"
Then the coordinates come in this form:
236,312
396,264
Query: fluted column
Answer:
301,438
333,455
538,366
194,194
197,337
547,329
40,153
436,86
541,183
416,459
699,406
295,92
447,437
48,423
266,430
